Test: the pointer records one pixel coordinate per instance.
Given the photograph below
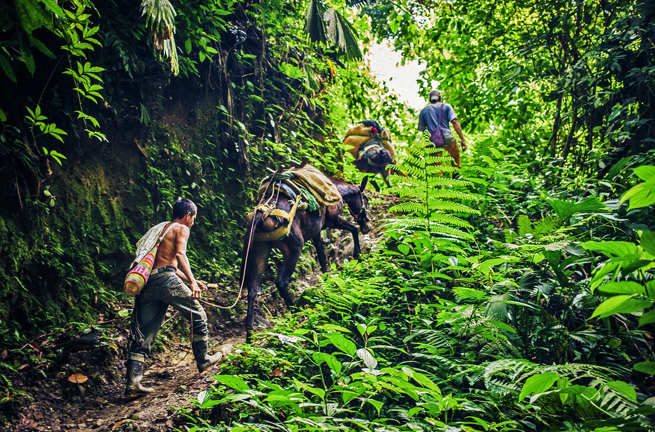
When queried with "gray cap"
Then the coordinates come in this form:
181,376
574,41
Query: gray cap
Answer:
435,94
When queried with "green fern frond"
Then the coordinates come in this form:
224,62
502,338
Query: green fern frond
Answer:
452,194
451,220
443,229
409,207
431,160
444,181
406,191
435,170
411,170
524,225
546,225
501,348
430,337
411,224
502,388
451,206
443,362
413,160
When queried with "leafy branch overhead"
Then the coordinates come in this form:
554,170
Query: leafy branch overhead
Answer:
160,19
332,29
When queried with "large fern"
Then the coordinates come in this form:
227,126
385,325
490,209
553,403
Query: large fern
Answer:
431,199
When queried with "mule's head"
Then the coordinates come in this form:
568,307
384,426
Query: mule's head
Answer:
381,158
359,207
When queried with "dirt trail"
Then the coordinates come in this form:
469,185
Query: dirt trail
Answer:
98,404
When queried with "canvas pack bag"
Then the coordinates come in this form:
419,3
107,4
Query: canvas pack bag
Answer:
137,278
437,136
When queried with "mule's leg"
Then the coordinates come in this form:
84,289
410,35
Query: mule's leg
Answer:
385,174
320,252
290,254
257,260
343,224
375,185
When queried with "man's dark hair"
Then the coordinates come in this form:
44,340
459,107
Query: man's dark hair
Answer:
183,206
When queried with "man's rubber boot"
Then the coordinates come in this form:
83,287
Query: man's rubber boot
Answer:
134,377
203,360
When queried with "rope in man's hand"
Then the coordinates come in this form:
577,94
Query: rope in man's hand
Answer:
207,286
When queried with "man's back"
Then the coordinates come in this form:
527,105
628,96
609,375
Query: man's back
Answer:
429,117
173,243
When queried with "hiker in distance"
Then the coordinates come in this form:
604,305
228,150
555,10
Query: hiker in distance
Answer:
166,286
436,118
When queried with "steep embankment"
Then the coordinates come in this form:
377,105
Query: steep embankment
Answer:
97,404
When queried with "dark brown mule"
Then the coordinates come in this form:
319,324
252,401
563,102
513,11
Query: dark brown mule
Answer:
306,226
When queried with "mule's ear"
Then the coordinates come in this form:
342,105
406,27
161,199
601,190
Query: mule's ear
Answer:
363,185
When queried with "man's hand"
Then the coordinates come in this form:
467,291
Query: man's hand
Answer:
202,284
196,292
463,145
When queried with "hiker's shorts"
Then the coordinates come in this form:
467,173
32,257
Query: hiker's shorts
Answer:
453,151
162,290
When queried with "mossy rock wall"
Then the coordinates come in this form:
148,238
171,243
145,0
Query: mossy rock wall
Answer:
64,262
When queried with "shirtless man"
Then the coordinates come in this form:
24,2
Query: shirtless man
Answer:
166,287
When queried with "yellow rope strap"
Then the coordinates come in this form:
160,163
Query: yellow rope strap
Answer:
283,231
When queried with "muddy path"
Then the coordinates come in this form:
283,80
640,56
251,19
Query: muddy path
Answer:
54,398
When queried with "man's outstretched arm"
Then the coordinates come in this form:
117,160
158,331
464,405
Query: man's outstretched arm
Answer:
181,240
458,129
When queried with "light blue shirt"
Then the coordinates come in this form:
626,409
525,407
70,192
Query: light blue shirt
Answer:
429,117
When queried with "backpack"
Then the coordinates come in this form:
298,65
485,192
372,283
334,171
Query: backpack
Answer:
137,278
437,136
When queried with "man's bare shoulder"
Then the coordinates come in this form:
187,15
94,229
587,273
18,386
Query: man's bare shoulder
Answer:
181,229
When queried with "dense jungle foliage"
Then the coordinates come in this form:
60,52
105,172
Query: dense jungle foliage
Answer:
515,295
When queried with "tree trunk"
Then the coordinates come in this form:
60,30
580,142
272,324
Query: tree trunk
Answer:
569,138
556,125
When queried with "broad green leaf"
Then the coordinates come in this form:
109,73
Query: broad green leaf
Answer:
645,367
485,266
317,391
612,248
645,172
641,195
342,343
566,209
538,384
502,326
335,327
490,161
332,362
41,47
601,272
33,15
232,381
54,7
648,242
623,287
27,57
367,357
423,380
6,67
620,304
623,389
377,404
647,318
